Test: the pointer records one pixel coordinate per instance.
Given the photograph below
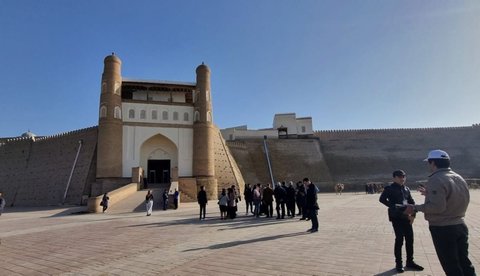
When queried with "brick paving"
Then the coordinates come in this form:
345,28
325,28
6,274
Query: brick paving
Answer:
355,238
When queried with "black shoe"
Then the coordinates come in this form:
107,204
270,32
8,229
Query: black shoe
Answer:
310,230
314,230
302,219
414,266
399,269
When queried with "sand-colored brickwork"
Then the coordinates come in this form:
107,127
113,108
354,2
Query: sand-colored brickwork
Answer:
356,157
227,172
36,172
291,160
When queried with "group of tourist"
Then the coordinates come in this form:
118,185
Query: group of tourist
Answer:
259,201
373,188
149,200
228,203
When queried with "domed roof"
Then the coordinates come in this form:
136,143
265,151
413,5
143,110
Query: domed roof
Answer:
29,134
113,58
202,67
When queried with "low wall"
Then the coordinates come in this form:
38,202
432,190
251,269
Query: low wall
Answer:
115,196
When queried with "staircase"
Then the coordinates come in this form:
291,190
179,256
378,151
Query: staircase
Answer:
136,202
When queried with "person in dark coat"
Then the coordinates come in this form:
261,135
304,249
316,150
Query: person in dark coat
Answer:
165,199
280,198
291,200
2,203
267,199
104,202
311,204
176,197
248,195
396,197
232,203
300,198
202,201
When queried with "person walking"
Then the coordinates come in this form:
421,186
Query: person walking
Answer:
104,202
446,202
149,202
396,197
202,201
2,203
176,196
165,199
311,204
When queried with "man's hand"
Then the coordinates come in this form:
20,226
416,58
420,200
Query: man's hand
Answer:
422,190
411,218
409,210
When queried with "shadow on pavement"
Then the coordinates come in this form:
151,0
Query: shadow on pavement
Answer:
237,223
388,273
236,243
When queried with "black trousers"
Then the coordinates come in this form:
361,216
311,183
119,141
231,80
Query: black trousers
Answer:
248,204
403,230
280,205
203,209
269,209
312,214
451,244
291,208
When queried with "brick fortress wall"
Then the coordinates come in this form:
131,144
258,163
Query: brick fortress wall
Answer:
36,172
356,157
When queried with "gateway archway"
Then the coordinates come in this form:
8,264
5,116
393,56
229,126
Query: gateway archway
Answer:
158,155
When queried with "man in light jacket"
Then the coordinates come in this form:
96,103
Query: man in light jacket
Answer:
446,201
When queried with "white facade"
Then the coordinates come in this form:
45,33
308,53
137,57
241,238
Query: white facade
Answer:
304,126
294,126
286,120
159,96
170,136
242,132
145,113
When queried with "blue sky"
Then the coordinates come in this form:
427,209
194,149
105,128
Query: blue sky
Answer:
347,64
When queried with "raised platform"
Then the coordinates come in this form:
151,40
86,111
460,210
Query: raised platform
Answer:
355,238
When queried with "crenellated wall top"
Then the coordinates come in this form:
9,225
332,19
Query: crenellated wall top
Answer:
46,138
391,130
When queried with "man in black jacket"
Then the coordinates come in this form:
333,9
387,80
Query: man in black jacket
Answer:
280,199
202,201
396,196
311,205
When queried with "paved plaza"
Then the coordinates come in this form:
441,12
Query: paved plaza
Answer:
355,238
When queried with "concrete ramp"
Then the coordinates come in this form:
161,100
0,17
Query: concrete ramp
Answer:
136,201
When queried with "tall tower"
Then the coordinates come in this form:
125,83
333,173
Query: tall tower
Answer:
203,134
110,132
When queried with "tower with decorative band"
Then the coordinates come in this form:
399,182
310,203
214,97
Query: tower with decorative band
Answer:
109,146
204,131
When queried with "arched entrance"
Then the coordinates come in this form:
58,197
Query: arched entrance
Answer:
158,155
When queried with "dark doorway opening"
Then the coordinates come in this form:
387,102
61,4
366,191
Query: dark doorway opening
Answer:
158,171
